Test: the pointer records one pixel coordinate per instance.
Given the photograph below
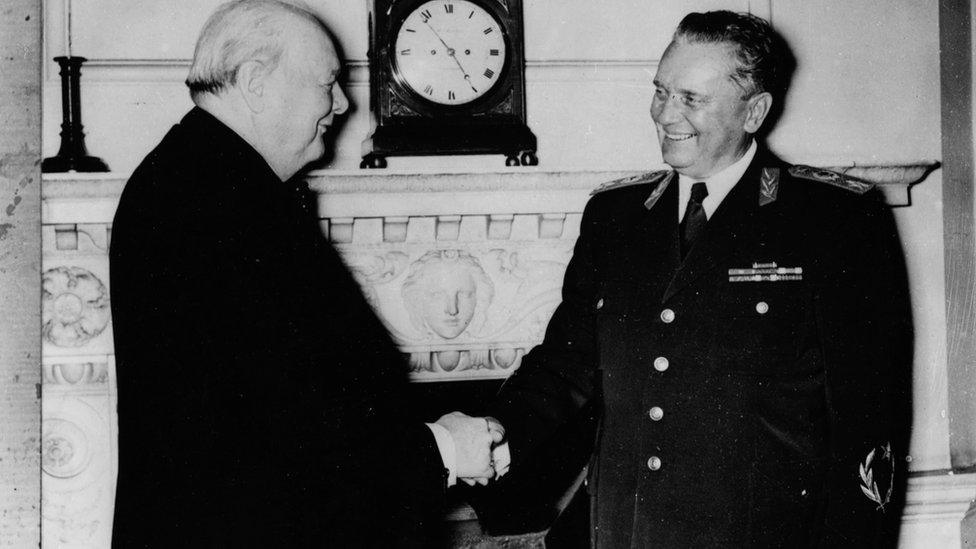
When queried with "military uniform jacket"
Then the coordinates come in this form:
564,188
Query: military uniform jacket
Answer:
261,402
754,394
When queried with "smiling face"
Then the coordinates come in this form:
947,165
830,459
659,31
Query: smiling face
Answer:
703,122
304,97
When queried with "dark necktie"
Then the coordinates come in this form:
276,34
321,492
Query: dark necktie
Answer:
694,222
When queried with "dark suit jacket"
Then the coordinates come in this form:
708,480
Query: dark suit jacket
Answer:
261,402
783,404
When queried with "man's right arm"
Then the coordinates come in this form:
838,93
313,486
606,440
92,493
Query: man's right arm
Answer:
556,379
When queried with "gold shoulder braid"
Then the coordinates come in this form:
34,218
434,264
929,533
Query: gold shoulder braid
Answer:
639,179
831,178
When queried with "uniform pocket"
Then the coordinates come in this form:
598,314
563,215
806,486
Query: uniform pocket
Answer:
761,328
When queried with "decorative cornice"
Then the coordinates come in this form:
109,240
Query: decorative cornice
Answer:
895,180
92,198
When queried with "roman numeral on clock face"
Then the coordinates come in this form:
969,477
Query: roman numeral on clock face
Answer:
450,60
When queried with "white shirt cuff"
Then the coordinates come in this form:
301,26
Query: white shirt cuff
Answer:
445,445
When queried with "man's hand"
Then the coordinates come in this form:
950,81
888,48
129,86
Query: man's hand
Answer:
501,458
473,441
497,429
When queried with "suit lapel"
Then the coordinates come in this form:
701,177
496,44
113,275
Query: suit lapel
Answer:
724,232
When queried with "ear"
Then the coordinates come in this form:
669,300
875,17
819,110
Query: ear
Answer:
252,83
758,107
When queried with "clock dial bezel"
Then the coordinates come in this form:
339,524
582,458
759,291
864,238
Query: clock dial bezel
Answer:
416,100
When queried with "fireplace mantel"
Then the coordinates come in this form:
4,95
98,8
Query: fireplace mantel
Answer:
511,231
92,198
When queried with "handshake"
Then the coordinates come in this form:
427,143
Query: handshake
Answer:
480,449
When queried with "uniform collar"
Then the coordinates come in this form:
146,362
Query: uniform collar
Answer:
718,184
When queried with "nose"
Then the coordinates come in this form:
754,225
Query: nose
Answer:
451,304
340,103
665,110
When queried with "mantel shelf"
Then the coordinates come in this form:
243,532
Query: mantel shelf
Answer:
92,198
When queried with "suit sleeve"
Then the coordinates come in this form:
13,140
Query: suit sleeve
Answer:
866,334
557,378
352,415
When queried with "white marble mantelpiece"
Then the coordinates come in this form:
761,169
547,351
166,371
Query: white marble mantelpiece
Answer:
505,236
494,245
92,198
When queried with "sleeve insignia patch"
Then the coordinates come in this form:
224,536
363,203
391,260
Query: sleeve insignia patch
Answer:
639,179
768,186
831,178
873,469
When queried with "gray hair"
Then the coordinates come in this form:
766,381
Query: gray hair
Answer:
765,62
241,31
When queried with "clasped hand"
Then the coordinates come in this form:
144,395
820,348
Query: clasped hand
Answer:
481,453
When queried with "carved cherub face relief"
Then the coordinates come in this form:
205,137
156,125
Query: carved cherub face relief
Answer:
449,299
444,291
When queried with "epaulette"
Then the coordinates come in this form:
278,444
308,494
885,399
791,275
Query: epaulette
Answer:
836,179
639,179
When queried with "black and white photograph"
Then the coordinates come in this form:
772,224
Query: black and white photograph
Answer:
479,274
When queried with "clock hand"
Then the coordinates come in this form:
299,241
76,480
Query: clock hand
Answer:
451,53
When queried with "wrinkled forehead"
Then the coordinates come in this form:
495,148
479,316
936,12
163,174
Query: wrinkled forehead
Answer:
693,61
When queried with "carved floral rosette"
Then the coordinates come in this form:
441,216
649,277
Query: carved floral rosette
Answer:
75,306
462,310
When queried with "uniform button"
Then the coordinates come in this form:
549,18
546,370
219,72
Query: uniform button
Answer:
667,315
661,364
599,304
656,413
762,307
653,463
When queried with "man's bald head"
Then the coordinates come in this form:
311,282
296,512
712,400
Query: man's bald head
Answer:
240,31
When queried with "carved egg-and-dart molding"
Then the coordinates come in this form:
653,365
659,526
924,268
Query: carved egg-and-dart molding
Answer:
75,306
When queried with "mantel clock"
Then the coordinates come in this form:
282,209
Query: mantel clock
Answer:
447,77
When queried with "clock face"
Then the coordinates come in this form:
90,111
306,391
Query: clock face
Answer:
450,52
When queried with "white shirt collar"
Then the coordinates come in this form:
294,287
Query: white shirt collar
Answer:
718,184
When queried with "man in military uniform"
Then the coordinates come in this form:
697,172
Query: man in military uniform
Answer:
744,325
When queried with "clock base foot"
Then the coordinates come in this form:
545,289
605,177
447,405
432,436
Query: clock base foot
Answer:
530,159
526,158
372,161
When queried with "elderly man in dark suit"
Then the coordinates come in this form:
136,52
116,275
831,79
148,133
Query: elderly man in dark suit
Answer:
261,401
743,324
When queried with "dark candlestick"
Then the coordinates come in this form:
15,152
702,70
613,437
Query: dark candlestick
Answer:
72,156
